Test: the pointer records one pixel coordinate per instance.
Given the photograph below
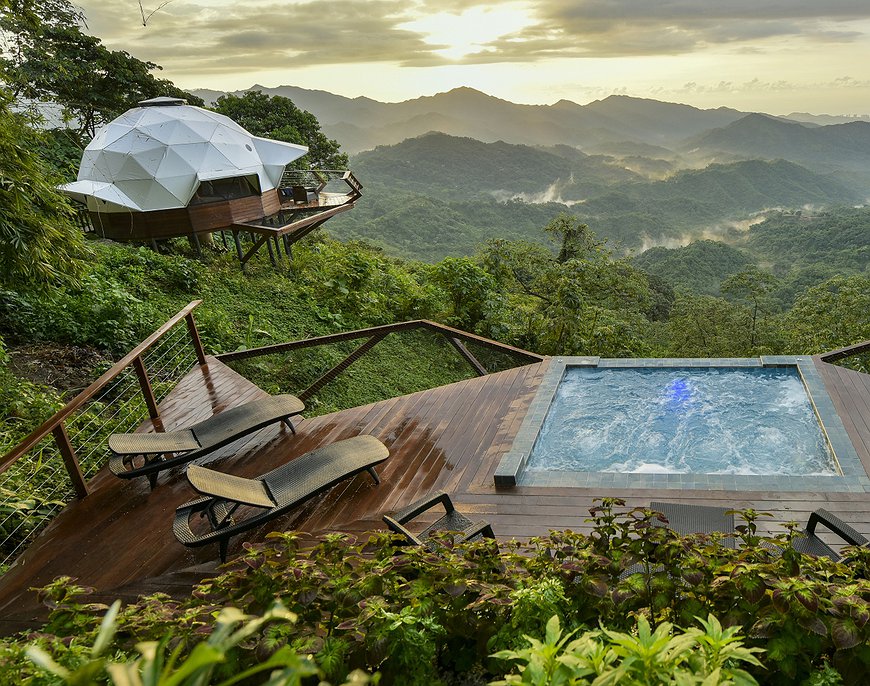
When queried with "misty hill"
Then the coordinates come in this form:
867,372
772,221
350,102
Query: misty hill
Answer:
748,186
839,239
699,267
461,168
757,136
800,248
362,123
825,119
439,195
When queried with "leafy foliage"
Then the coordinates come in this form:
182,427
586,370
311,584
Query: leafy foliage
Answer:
50,59
709,656
278,118
420,617
39,245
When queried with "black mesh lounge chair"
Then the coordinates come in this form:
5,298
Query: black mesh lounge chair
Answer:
811,544
452,520
149,454
275,493
697,519
689,519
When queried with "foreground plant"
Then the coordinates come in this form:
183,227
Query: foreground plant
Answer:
710,657
154,667
423,617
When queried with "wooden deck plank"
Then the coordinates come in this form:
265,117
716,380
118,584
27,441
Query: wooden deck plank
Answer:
450,437
850,393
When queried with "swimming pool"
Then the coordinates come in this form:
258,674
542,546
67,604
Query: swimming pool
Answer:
743,424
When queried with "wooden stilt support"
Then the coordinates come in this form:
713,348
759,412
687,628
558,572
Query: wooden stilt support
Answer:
271,252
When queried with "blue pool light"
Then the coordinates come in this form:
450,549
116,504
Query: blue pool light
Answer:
679,392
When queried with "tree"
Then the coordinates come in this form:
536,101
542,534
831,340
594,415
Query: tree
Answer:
278,118
575,240
469,288
48,58
39,245
706,326
579,302
832,315
752,286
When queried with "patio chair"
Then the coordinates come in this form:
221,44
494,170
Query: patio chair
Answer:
689,519
303,195
274,493
464,528
159,451
696,519
811,544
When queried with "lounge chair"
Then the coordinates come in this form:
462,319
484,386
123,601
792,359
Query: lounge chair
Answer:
464,528
811,544
161,451
696,519
275,493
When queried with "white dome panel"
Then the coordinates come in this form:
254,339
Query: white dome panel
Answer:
154,157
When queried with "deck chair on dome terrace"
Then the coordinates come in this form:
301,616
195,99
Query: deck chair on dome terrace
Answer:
272,494
463,528
147,454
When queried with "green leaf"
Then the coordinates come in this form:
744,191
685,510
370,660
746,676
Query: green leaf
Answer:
845,634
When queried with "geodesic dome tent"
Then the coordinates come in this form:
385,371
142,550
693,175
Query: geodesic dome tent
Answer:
156,157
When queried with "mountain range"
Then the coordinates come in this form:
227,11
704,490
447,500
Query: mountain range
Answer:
602,126
446,172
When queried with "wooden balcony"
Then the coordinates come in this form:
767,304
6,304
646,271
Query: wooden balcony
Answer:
118,539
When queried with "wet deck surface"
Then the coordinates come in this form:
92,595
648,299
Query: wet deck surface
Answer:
119,539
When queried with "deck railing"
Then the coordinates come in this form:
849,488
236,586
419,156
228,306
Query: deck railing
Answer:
858,356
374,335
33,486
320,178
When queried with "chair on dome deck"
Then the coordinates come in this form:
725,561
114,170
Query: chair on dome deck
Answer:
273,493
452,521
159,451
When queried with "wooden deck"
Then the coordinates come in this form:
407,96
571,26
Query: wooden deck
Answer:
119,539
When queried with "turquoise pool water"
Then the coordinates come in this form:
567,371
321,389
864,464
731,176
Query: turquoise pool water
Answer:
708,420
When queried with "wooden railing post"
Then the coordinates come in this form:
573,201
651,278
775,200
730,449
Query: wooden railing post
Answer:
70,461
145,385
194,335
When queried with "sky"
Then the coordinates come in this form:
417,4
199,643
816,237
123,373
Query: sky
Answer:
775,56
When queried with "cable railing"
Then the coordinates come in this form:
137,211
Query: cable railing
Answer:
461,341
855,357
54,464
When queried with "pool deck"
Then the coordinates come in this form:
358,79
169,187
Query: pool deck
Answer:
119,541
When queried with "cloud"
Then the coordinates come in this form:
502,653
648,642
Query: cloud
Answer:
619,28
219,36
211,38
763,86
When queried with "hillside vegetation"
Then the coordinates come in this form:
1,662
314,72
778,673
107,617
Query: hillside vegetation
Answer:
438,195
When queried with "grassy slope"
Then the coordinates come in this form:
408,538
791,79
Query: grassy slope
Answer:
131,291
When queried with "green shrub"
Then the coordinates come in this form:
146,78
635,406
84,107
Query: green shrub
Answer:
424,617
